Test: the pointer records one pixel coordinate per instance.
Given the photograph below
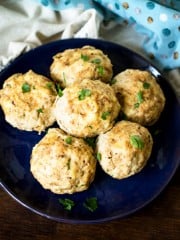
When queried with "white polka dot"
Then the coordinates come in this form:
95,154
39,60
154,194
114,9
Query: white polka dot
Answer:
110,6
137,10
163,17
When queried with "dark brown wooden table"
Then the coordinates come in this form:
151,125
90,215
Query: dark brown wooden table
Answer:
160,220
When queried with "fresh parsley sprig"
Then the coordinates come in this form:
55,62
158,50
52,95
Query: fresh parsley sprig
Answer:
100,70
68,140
98,156
91,204
84,93
96,61
59,90
39,110
105,115
136,141
84,57
146,85
140,99
67,203
26,87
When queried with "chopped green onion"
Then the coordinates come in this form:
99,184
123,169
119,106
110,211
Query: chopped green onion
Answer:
100,70
140,99
98,156
68,204
91,204
68,140
136,141
96,61
105,115
49,85
59,90
40,110
113,81
85,58
84,93
26,87
136,105
146,85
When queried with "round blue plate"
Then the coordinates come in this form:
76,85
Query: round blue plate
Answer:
116,198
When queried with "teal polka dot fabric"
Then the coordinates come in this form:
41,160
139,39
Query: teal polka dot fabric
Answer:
157,21
159,24
65,4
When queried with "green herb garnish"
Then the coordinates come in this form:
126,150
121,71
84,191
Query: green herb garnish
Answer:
85,58
146,85
98,156
68,204
49,85
136,105
84,93
40,110
68,140
26,87
96,61
100,70
113,81
136,141
140,99
91,204
59,90
105,115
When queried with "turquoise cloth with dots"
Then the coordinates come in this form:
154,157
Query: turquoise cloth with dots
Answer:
157,21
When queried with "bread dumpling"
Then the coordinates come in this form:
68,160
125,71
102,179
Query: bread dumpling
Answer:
140,96
62,163
28,101
87,108
124,150
76,64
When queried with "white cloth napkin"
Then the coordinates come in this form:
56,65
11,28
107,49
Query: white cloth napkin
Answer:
25,24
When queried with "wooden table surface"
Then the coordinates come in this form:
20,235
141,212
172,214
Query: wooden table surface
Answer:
160,220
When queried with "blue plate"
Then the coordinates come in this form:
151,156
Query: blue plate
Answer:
116,198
